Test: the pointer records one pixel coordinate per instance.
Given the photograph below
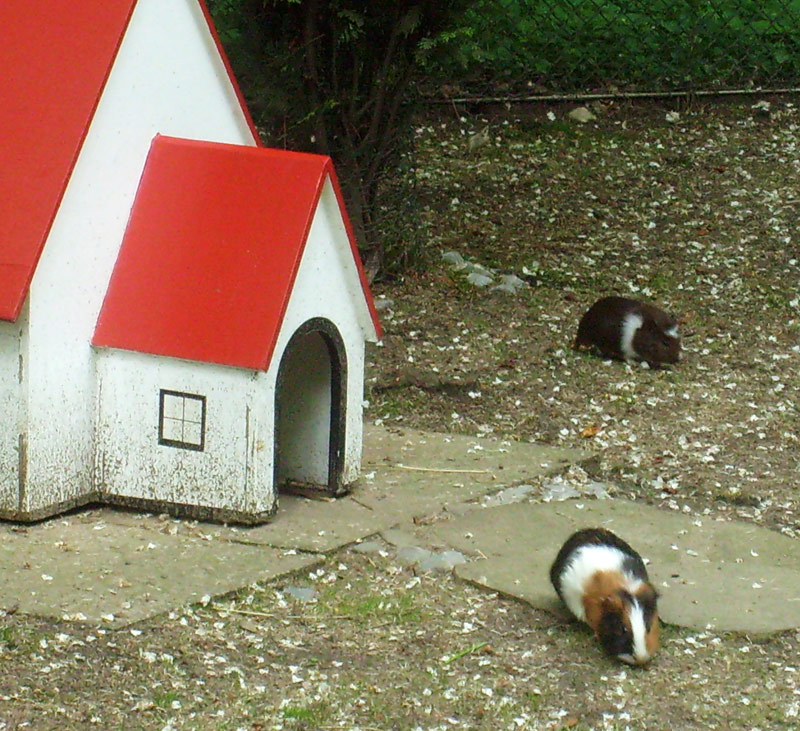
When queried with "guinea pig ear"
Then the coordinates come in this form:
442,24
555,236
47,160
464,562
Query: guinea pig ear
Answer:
611,603
648,593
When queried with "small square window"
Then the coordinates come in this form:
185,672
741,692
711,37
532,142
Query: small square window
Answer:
182,420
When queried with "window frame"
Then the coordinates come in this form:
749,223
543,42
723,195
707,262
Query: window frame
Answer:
164,393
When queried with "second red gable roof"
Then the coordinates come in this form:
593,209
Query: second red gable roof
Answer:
212,248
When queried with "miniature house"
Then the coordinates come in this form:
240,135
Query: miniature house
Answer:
183,313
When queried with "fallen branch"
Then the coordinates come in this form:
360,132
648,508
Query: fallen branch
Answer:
268,615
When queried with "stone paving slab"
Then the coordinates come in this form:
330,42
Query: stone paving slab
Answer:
413,472
86,568
716,574
406,474
301,524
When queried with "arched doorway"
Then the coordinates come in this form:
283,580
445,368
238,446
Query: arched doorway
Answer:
310,410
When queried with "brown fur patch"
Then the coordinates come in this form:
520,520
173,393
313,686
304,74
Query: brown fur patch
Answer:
601,596
647,596
651,639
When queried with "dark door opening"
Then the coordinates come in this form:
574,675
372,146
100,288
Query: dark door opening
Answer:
310,411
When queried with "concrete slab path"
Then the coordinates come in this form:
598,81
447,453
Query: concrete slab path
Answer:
89,567
105,565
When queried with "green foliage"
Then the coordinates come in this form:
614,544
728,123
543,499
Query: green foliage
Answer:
165,699
341,77
660,44
7,637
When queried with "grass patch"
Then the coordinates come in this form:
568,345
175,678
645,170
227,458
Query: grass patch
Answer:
165,699
373,609
311,715
7,637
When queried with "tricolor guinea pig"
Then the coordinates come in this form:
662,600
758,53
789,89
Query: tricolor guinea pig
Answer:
604,583
627,329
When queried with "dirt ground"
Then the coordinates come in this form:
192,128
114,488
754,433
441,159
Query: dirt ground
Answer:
693,206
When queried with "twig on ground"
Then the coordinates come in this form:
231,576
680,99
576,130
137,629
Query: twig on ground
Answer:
440,469
464,653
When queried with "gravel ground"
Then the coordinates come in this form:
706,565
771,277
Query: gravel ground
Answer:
692,207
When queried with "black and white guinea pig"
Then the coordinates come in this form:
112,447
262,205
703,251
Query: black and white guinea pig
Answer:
627,329
604,583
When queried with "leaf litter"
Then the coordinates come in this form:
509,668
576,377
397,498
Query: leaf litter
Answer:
697,211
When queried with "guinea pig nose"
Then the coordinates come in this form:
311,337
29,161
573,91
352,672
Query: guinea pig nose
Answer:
635,659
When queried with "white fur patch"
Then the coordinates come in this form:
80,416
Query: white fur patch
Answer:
672,332
630,324
640,654
585,562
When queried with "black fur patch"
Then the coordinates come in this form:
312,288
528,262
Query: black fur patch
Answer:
615,637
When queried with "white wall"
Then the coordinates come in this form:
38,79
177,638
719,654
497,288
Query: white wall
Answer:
131,462
167,79
11,427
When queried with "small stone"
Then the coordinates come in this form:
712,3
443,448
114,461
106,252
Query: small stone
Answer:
478,279
368,547
413,554
510,283
301,593
454,258
509,495
581,114
443,561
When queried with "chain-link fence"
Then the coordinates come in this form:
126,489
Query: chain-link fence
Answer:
537,47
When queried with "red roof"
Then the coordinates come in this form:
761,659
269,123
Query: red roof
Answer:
55,57
211,252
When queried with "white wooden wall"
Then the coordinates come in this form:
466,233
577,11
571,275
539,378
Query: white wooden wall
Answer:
132,464
327,285
12,427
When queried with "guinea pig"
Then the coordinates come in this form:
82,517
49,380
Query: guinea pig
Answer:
604,583
627,329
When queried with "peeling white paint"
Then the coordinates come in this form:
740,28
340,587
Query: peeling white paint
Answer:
132,464
328,286
10,407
